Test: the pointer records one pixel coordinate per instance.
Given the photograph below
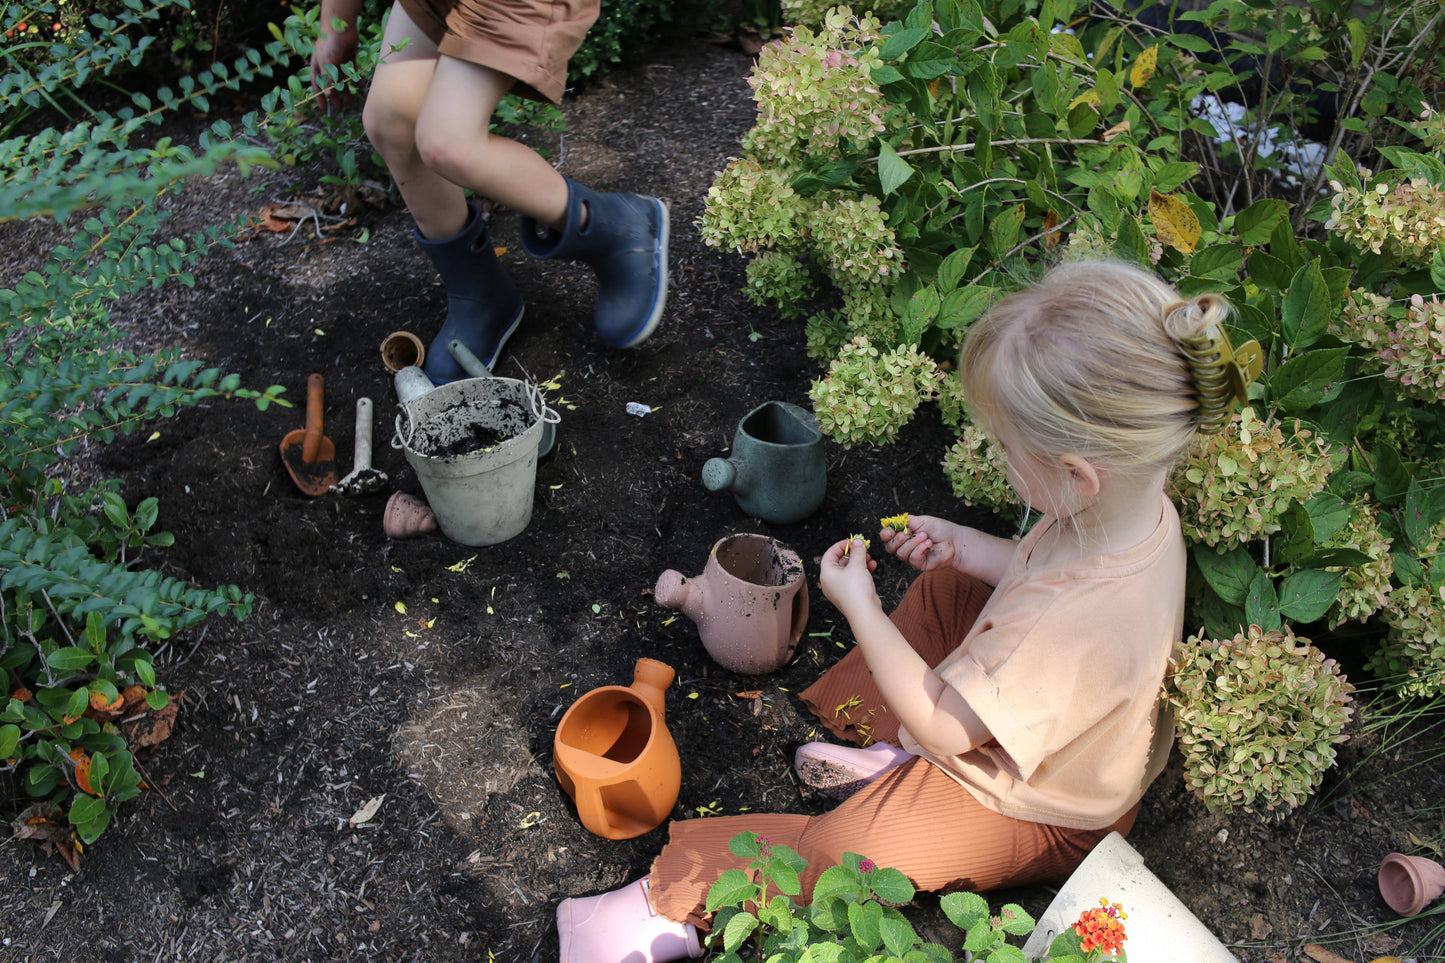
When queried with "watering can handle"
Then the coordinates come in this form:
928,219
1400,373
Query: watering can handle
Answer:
592,813
311,446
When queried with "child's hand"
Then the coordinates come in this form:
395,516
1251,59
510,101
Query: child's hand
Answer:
846,577
335,50
926,544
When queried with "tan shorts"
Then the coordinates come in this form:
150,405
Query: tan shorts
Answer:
530,40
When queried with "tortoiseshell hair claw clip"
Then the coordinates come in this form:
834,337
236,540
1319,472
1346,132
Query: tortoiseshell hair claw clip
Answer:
1222,374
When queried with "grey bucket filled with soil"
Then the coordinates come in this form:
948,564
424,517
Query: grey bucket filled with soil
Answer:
473,445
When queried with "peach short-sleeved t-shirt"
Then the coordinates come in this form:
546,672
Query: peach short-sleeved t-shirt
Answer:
1065,665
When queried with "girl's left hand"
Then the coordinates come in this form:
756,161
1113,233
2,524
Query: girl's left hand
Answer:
847,579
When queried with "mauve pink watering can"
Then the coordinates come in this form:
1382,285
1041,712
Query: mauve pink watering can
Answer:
750,603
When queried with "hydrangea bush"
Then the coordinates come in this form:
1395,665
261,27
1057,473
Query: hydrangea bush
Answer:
978,144
1258,717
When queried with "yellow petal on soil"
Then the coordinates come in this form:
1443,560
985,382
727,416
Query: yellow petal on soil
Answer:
153,437
1144,66
530,820
400,607
1174,223
461,566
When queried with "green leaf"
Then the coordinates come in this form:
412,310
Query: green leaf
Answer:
1268,271
954,268
893,170
964,910
1306,311
1328,514
1257,221
962,306
920,314
70,659
898,935
1307,595
891,885
9,739
1230,573
1221,261
732,888
1392,475
1359,41
1415,518
1015,919
895,46
863,922
739,928
89,816
1261,606
1308,379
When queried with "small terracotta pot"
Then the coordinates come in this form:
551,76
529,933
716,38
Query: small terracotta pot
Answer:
406,515
402,349
1409,883
614,756
750,603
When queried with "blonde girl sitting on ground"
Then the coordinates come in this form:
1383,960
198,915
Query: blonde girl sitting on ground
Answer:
1009,709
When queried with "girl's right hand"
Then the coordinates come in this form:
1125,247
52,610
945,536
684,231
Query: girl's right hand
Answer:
929,542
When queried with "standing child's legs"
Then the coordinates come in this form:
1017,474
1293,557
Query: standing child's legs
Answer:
429,116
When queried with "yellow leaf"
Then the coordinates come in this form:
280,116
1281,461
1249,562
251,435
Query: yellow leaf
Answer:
1144,66
1174,223
1090,97
400,607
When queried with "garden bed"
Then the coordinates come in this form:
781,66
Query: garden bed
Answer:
431,676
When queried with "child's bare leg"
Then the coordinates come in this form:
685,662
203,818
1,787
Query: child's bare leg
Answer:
398,90
454,141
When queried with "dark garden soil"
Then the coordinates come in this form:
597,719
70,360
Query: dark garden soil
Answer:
431,676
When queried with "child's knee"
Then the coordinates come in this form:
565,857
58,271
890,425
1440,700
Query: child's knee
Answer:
444,150
389,129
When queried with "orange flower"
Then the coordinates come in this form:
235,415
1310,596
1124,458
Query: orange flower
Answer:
1102,928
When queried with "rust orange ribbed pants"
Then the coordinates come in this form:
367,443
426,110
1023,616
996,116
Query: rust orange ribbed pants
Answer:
915,819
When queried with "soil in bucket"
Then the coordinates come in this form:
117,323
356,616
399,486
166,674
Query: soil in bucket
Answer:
459,430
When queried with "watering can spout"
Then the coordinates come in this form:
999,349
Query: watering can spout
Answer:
650,679
675,591
720,474
411,383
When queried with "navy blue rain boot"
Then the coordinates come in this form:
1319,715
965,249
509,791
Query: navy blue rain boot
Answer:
483,305
625,242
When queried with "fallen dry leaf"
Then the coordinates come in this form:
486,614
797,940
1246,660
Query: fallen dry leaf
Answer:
48,825
1259,927
1381,943
150,728
1321,955
366,812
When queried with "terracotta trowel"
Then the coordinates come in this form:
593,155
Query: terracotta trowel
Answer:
308,454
